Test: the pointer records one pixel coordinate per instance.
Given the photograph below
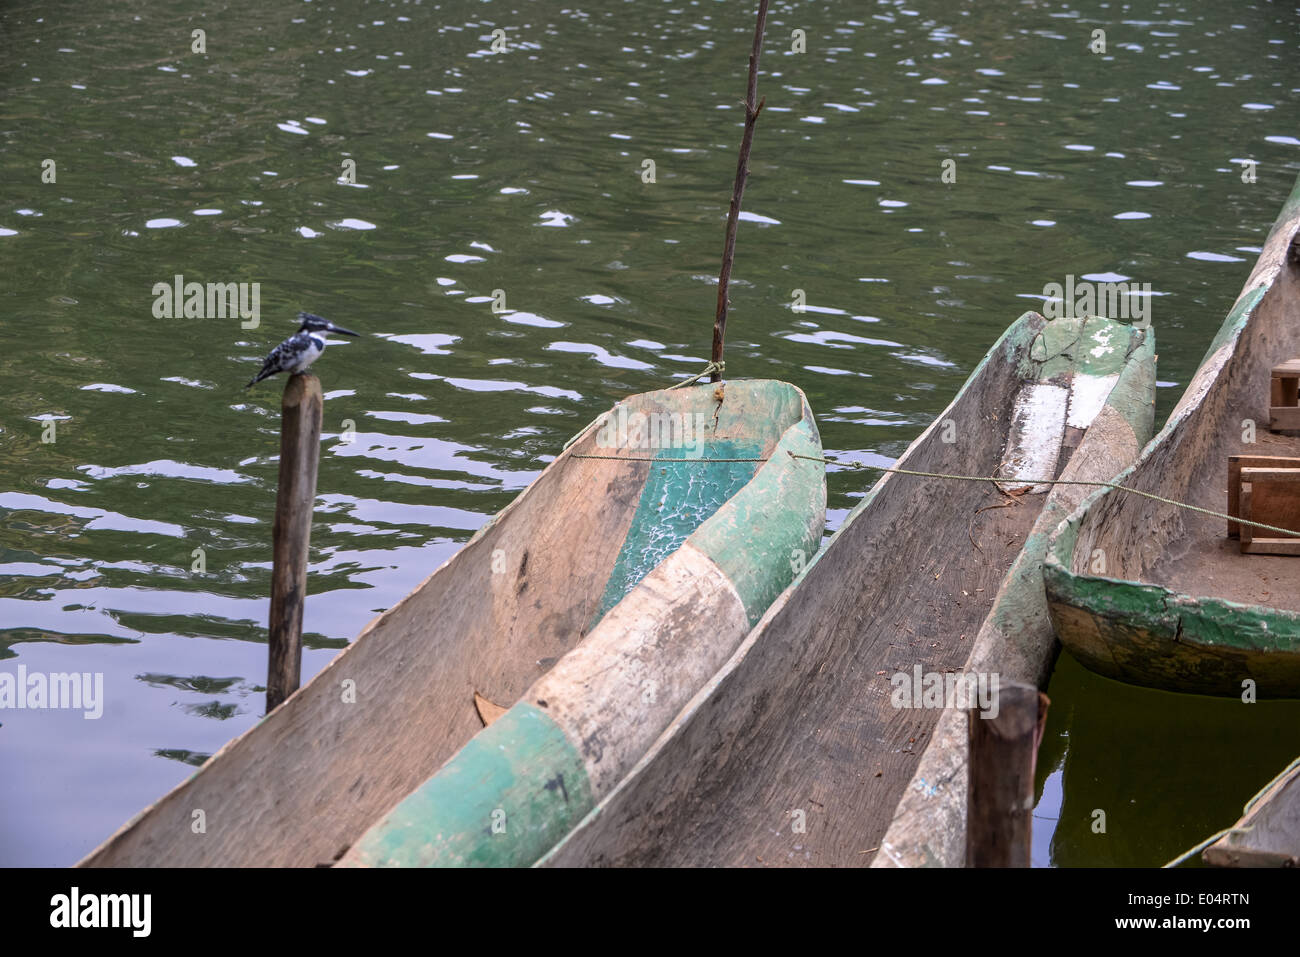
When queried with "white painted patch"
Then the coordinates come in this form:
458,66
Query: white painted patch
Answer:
1037,429
1088,393
1102,337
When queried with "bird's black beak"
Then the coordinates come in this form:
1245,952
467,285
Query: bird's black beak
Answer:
342,331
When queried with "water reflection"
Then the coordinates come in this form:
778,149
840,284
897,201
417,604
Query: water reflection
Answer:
476,171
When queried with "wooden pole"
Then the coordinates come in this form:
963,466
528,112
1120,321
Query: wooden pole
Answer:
753,107
300,421
1000,791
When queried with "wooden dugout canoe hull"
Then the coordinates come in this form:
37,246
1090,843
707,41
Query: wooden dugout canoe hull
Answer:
565,556
523,782
1176,606
794,752
1268,833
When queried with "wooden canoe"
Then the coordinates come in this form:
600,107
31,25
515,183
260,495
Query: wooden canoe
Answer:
1177,606
797,751
600,538
1268,833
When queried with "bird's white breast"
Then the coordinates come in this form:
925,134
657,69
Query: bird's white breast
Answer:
315,346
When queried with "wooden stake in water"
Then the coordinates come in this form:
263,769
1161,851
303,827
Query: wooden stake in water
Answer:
1000,792
301,410
753,106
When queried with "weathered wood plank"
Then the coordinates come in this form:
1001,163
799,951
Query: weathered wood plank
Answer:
301,409
1175,608
798,750
1003,748
1236,463
1282,418
1268,833
302,785
1285,386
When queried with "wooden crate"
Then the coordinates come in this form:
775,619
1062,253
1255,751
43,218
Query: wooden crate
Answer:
1264,488
1284,397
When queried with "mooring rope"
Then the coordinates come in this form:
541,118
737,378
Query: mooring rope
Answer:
996,480
709,369
653,458
1244,811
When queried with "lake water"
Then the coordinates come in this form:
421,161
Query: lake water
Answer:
520,174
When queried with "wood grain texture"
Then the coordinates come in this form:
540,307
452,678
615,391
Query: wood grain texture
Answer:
297,789
1273,838
620,688
1235,465
1283,418
301,409
794,754
1178,607
1016,641
1002,749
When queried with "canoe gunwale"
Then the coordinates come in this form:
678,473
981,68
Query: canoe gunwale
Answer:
1242,846
669,808
586,721
316,763
1115,624
1016,640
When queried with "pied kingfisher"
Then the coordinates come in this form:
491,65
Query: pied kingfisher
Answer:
301,349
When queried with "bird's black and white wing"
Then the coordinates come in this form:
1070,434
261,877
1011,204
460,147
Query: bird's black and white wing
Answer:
284,356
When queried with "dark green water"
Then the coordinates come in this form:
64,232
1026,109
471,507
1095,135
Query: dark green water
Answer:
521,171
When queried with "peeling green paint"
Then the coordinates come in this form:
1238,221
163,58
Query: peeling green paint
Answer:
1237,319
523,773
1134,394
763,536
502,801
677,499
1091,345
1146,634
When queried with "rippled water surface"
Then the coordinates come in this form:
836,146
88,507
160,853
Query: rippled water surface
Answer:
519,174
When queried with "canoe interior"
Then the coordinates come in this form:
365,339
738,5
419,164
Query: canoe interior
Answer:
1207,562
297,789
1268,834
678,497
794,755
1017,642
1178,606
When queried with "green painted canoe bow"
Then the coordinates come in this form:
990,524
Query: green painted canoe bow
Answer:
1154,595
651,567
797,752
523,782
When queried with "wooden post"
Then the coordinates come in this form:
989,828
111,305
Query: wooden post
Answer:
753,106
1000,792
300,421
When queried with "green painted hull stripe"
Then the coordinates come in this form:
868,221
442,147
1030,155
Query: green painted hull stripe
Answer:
1133,398
762,538
1122,607
677,499
1072,345
504,800
1134,394
1237,319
